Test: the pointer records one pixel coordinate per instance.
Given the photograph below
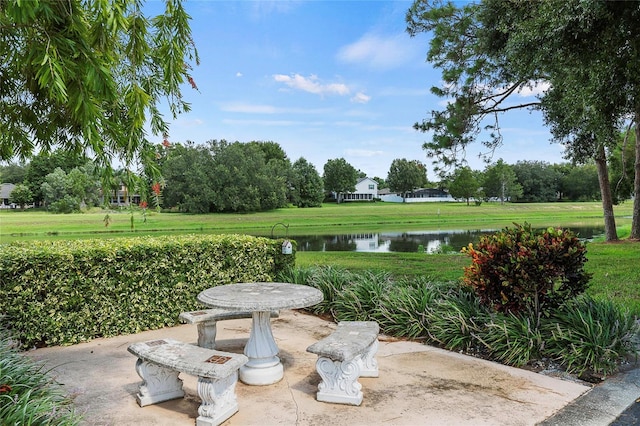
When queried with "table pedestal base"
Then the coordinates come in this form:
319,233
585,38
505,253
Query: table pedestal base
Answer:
261,376
264,366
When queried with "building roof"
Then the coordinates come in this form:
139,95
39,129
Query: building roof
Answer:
6,189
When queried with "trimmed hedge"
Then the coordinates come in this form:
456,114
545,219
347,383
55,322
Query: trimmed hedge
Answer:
65,292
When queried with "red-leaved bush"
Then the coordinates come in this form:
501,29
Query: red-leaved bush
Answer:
518,269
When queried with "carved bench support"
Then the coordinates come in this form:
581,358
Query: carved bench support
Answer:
345,355
339,381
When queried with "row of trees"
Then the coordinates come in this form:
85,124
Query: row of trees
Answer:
255,176
581,51
525,181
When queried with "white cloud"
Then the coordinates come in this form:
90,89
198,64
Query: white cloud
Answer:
312,84
377,51
535,88
363,153
269,109
360,98
238,74
250,109
276,123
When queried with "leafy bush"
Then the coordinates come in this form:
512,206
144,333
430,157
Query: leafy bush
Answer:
63,292
360,300
513,339
456,319
518,270
582,334
28,396
590,335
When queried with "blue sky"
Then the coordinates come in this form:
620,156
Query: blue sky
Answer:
325,79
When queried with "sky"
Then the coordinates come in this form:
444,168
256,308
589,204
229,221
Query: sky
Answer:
326,80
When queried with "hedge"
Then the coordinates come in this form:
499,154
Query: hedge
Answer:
65,292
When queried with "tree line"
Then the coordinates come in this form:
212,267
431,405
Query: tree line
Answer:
221,176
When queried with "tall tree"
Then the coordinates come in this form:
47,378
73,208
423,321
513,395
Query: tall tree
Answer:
490,50
339,177
21,195
12,173
44,163
405,176
500,181
87,76
539,180
464,184
307,185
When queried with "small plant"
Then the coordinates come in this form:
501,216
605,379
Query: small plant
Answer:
28,396
589,335
360,301
513,339
456,319
519,270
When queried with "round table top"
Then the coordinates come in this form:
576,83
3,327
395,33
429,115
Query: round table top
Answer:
262,296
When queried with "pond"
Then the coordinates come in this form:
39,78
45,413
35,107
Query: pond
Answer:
409,242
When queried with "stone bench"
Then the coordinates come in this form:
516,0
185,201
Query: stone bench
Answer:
206,320
161,361
345,355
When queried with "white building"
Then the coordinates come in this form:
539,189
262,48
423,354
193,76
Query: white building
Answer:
366,190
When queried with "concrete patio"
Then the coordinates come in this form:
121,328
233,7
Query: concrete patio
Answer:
418,384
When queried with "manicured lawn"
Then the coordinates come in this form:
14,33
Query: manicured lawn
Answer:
616,274
329,219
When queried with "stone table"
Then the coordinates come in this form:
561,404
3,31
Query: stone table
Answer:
264,366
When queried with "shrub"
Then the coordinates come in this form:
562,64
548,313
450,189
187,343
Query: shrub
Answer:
65,292
28,396
456,319
403,311
590,335
360,301
513,339
518,269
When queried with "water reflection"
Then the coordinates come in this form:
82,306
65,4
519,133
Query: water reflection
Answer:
413,241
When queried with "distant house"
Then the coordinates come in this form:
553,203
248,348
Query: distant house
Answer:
422,195
366,190
5,194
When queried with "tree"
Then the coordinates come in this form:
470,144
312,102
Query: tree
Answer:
540,181
88,76
21,195
621,165
500,181
43,164
581,183
491,50
187,171
12,173
339,177
307,184
464,184
69,192
405,176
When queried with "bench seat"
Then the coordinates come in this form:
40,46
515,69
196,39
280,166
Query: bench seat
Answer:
206,320
345,355
161,361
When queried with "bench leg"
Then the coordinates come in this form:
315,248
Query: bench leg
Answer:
367,361
218,400
207,334
339,381
158,383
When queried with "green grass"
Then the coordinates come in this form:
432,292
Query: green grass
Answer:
614,266
330,218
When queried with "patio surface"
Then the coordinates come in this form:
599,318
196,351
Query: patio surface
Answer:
418,384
